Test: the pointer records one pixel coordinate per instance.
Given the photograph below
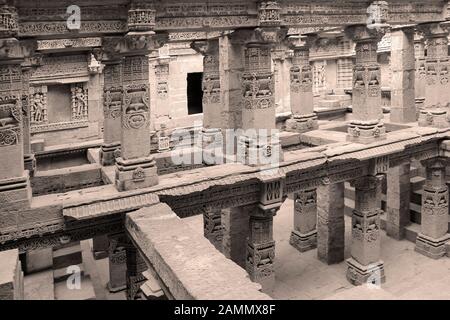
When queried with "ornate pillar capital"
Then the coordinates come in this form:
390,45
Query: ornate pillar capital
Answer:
260,36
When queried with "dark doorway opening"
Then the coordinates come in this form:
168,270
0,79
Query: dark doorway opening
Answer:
194,92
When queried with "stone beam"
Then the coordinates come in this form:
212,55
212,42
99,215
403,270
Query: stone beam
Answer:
106,17
185,263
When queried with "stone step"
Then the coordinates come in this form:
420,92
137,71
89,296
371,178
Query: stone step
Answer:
84,292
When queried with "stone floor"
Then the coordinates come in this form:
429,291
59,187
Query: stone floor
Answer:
301,276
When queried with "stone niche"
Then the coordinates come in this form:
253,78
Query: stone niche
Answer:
63,100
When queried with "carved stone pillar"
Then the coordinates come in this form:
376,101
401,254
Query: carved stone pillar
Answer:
212,140
367,125
14,180
303,116
281,67
304,235
421,73
212,227
434,227
365,265
112,111
29,158
330,223
136,167
434,113
117,262
398,201
403,108
261,246
235,224
259,143
135,267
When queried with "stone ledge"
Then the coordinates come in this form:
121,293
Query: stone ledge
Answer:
187,264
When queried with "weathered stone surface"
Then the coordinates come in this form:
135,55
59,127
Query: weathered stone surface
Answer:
11,276
186,263
330,223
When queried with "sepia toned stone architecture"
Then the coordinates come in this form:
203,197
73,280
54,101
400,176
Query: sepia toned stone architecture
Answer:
171,137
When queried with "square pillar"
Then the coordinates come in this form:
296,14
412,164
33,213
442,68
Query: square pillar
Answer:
15,191
398,201
330,223
136,266
301,83
403,108
304,235
261,246
136,167
211,134
367,125
112,111
258,143
29,158
434,112
365,265
117,262
235,223
212,228
434,227
421,73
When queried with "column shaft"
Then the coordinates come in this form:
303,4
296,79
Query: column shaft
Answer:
135,267
261,249
136,168
117,262
330,223
433,235
212,227
437,93
112,111
403,76
367,125
365,265
398,201
303,116
304,235
235,222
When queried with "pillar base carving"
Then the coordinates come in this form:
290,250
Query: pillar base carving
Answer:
136,173
15,193
366,132
259,265
260,153
358,274
303,242
30,163
213,229
302,123
432,248
212,141
108,153
436,118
